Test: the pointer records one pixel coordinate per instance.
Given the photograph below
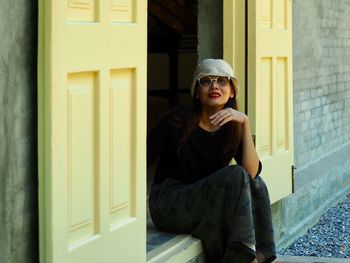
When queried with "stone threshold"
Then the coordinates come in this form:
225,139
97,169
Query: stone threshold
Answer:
163,247
182,248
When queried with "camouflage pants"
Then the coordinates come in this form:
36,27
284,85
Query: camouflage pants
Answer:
224,210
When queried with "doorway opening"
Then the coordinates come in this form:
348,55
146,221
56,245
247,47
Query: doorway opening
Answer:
172,58
180,33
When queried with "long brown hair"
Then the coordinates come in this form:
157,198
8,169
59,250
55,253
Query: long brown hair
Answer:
233,129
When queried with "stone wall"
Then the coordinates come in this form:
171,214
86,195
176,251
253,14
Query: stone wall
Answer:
210,29
18,121
321,54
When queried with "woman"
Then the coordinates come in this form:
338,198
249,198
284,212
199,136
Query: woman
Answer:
195,188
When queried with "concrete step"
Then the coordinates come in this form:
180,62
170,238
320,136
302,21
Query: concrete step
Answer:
163,247
180,249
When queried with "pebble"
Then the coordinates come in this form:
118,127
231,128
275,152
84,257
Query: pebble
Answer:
330,237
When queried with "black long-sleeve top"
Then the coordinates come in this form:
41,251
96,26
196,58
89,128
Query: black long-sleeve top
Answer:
198,157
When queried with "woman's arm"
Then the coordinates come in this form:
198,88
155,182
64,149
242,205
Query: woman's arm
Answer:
250,159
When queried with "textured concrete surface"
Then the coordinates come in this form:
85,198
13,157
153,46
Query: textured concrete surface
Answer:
210,40
293,215
337,161
18,161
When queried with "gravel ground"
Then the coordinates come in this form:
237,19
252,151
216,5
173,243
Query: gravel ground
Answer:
330,237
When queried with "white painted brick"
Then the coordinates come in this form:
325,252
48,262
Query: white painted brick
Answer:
305,105
322,74
305,126
317,102
307,115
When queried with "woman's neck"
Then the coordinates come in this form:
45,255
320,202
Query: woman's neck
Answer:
204,121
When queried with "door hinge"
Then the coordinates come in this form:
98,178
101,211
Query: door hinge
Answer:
253,137
293,178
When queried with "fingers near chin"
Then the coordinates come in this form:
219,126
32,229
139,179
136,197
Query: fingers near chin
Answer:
222,122
217,120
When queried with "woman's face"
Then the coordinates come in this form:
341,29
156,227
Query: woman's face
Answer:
214,91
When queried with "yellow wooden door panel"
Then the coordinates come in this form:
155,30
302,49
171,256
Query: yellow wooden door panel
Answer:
81,166
270,90
92,128
234,43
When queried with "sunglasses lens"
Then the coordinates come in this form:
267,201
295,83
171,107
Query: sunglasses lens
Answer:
205,81
222,81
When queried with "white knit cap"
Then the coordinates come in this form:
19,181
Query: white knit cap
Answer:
214,67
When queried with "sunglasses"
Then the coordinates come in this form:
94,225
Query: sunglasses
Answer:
206,81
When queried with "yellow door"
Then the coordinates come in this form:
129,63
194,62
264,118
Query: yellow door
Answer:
269,81
92,129
235,44
270,97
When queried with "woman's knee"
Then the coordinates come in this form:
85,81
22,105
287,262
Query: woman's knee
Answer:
236,175
258,187
238,172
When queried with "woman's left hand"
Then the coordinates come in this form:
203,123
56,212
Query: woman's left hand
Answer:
226,115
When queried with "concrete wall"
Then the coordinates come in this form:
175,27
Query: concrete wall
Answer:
321,47
18,151
210,29
295,214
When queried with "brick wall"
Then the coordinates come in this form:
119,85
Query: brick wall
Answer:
321,53
18,121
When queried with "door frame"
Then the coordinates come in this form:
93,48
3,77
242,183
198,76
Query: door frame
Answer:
234,35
